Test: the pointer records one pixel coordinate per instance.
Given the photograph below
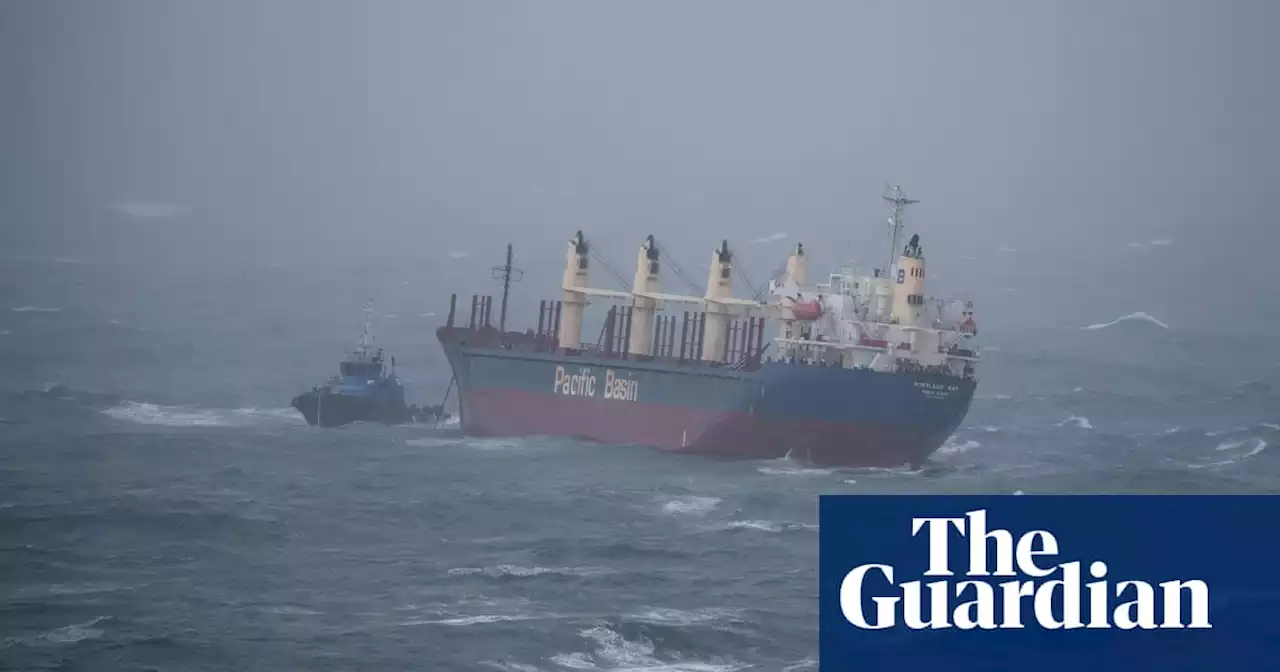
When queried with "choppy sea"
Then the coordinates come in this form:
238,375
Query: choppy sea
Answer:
162,508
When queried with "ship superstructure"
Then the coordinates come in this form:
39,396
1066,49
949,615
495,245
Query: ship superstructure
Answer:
863,369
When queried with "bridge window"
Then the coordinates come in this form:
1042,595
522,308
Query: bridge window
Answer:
724,273
582,263
653,268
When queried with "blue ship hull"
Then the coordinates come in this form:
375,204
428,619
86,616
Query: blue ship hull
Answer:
326,407
827,415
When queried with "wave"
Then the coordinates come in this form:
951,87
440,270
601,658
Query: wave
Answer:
1132,317
36,309
661,616
953,448
691,505
184,416
615,652
1240,450
765,526
481,619
523,572
794,471
773,237
1078,421
68,634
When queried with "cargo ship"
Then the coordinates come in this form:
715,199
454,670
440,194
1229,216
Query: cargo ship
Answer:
859,370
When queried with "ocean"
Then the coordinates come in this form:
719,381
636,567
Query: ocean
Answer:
162,508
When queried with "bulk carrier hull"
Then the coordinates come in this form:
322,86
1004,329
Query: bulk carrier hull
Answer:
822,414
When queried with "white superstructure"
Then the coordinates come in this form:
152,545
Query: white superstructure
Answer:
882,321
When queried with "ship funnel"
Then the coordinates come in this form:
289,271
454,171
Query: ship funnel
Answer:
798,266
908,290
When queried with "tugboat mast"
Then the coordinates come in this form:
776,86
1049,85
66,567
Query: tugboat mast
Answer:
366,336
900,202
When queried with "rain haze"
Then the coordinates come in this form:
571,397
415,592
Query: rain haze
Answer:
1082,135
198,198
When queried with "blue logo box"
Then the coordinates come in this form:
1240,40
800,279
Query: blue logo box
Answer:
1042,583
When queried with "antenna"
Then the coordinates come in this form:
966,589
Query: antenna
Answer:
507,273
900,202
367,335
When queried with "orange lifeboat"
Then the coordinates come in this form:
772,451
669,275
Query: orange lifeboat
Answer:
807,310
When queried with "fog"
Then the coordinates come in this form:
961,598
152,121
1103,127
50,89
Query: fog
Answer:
1075,161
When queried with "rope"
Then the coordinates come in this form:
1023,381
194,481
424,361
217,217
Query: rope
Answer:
675,266
622,283
442,403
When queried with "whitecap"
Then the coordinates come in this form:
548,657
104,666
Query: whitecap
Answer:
507,666
1256,445
764,526
1132,317
773,237
664,616
473,620
524,572
794,471
68,634
1078,421
615,652
950,448
434,442
36,309
457,254
691,505
182,416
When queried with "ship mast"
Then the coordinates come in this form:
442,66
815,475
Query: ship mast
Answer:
507,273
900,202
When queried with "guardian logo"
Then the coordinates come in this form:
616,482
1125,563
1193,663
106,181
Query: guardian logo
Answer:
1048,583
996,554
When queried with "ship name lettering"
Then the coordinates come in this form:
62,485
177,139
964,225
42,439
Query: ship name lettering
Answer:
1037,589
619,388
580,384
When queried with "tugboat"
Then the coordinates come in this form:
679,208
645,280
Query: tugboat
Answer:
365,390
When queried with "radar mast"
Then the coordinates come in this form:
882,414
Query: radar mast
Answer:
898,198
366,336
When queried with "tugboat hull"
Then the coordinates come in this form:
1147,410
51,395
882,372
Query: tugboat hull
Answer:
336,410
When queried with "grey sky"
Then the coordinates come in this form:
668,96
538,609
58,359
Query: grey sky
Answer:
307,129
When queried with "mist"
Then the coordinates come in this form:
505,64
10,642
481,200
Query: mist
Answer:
1074,161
